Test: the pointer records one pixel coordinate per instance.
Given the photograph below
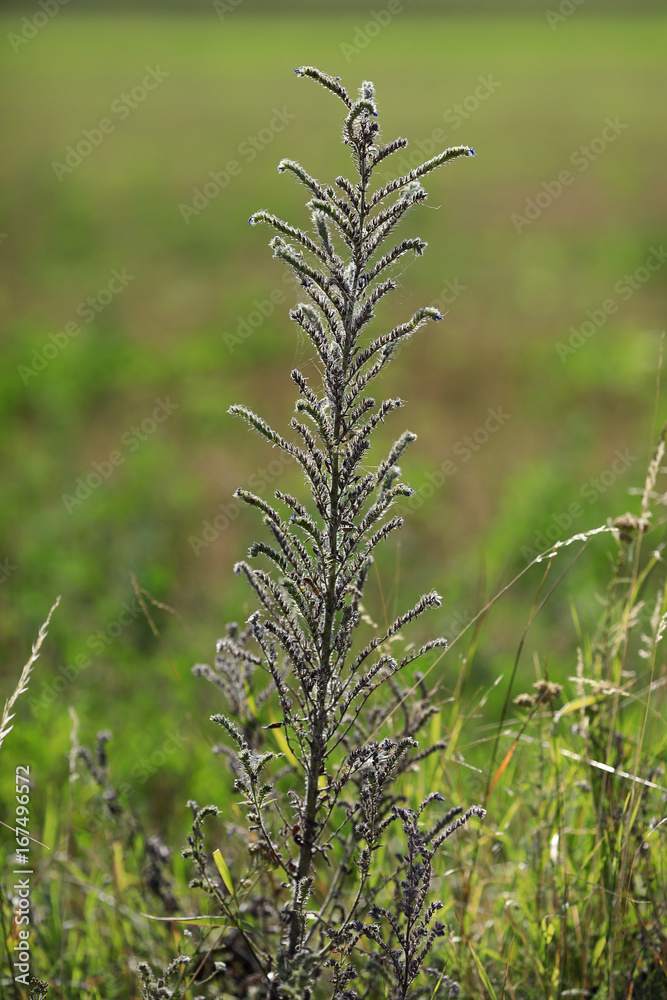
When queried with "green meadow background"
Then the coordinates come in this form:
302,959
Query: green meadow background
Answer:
577,425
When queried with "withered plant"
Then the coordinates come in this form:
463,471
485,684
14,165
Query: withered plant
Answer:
337,891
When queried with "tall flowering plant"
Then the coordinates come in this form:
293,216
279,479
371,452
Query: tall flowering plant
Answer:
318,911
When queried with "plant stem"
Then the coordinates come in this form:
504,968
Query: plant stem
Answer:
319,721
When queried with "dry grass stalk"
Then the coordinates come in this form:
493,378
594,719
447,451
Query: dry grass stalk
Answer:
22,686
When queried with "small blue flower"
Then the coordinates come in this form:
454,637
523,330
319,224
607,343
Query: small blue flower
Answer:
472,152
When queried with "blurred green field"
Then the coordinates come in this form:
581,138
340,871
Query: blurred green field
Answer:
168,336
